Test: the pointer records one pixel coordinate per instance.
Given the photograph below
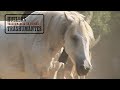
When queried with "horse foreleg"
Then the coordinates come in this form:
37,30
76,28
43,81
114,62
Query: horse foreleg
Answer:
56,72
55,75
81,77
51,64
72,72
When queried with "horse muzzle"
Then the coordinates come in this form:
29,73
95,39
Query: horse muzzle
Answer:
83,68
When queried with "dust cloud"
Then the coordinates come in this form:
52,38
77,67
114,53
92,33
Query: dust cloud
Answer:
106,56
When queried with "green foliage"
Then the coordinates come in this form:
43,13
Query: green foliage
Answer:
100,22
115,21
2,13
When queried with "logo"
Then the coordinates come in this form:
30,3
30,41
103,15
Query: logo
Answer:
19,24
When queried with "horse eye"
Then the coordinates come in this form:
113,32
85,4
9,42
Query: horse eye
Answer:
75,38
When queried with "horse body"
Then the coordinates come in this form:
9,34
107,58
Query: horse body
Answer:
25,51
30,52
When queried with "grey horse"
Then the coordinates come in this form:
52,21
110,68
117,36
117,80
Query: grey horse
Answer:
28,53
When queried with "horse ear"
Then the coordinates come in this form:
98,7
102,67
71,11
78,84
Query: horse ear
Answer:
68,17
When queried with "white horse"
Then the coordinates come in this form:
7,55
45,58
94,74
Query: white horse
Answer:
30,53
62,59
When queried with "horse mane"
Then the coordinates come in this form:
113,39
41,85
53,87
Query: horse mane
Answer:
88,32
79,18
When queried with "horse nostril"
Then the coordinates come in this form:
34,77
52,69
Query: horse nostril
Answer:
82,70
87,68
87,65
